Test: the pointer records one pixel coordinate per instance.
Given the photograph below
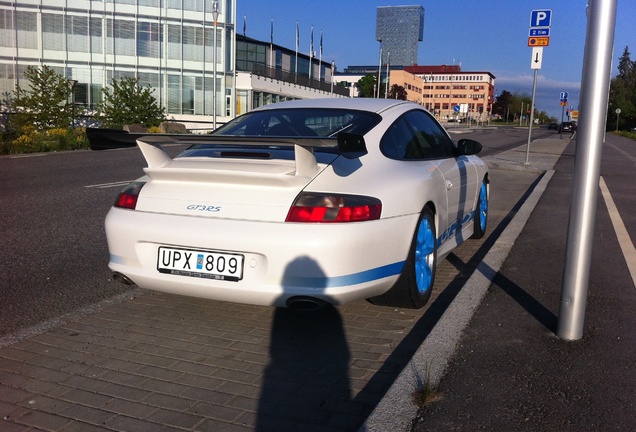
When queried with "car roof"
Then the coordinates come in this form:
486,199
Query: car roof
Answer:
363,104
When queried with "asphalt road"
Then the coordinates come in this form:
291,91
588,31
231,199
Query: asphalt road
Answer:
158,360
52,241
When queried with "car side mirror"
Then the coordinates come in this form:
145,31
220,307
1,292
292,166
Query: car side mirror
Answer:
468,147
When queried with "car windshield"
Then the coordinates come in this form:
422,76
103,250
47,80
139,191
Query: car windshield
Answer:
301,122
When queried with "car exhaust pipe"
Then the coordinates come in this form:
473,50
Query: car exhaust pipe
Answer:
305,303
122,279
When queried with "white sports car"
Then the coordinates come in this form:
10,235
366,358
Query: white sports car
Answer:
302,203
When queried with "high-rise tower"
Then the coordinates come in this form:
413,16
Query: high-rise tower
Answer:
399,29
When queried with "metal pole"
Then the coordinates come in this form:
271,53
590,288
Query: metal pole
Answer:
72,83
618,113
215,15
333,65
534,92
379,77
386,87
597,65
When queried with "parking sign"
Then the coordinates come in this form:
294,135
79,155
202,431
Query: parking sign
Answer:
541,18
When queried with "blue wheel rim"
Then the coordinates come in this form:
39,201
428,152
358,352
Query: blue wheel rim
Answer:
483,206
424,256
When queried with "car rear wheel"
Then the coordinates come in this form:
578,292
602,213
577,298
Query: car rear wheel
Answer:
481,212
414,286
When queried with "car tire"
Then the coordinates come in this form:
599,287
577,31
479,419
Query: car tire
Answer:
481,212
415,284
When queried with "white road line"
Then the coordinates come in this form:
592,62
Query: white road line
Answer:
627,246
623,152
109,185
28,155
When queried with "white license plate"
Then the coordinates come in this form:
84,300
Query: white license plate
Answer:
202,264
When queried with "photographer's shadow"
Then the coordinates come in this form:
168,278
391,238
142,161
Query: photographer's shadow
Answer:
306,382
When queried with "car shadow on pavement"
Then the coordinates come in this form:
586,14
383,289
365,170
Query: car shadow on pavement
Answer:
522,297
306,384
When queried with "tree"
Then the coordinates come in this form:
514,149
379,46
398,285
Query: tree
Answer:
511,105
367,86
127,103
502,105
397,92
44,104
623,95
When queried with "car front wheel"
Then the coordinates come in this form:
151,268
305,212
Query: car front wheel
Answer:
481,212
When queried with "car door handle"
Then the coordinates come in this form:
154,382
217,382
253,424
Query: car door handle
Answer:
449,184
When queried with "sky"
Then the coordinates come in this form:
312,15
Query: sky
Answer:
481,36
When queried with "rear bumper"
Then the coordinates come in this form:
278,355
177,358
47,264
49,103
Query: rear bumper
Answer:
336,263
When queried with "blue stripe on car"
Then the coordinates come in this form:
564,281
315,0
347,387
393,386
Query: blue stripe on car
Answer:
347,280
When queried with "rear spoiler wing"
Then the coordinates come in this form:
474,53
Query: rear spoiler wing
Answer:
351,146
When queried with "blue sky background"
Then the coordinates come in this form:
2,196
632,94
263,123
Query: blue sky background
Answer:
486,35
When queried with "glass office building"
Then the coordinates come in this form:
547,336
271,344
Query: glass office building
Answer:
170,45
399,29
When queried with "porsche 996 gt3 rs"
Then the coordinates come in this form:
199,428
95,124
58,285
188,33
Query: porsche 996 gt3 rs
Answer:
302,203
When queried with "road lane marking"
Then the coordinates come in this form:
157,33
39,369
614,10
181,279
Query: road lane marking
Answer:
109,185
28,155
623,152
625,242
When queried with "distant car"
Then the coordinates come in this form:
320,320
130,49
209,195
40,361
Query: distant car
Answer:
553,126
302,203
567,127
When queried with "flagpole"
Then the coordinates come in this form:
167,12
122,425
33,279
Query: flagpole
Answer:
379,75
311,52
320,58
386,89
297,42
271,45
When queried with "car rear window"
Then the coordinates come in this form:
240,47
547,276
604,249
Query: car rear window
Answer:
301,122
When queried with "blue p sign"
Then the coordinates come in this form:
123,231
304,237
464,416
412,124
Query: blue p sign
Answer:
541,18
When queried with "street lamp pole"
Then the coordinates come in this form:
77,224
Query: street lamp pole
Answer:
333,67
215,16
72,83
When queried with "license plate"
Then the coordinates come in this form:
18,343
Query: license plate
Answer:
202,264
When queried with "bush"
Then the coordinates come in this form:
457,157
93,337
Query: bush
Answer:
57,139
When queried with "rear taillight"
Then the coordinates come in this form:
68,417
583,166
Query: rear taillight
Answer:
127,198
314,207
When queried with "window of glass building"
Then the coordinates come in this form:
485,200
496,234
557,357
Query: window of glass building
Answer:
149,38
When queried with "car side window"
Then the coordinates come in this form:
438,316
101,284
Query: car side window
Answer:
414,136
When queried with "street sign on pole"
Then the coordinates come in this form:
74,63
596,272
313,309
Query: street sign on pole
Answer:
539,37
541,18
539,32
537,58
538,41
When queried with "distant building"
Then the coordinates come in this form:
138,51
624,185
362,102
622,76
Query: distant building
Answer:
166,44
352,74
399,29
438,88
442,88
269,73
